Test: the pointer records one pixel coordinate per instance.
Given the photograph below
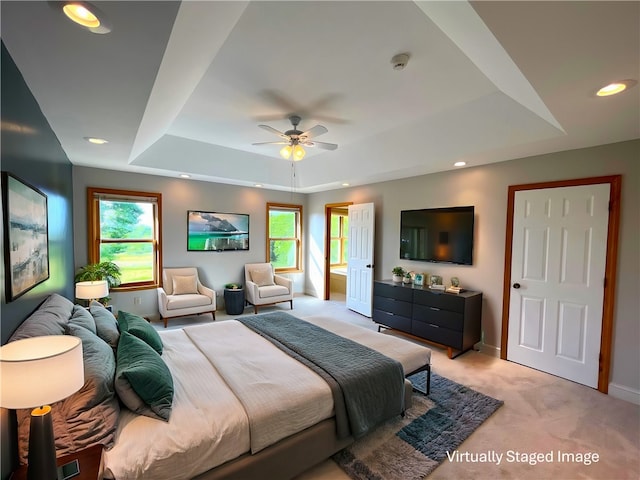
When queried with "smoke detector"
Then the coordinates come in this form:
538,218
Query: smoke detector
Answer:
400,61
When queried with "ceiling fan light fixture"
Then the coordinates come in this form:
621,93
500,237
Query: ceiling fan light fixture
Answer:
298,153
286,152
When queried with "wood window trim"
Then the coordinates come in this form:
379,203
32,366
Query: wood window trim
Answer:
342,236
613,232
292,207
93,238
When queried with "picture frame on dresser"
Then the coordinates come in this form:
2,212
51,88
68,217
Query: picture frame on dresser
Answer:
26,236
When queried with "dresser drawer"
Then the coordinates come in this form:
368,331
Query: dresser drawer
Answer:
392,305
442,318
444,301
391,320
392,291
437,334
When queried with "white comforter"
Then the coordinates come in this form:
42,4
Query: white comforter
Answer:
224,374
210,422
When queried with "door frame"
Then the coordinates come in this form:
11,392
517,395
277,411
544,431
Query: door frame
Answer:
615,183
327,244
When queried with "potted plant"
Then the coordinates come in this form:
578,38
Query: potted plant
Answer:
233,286
407,278
108,271
398,273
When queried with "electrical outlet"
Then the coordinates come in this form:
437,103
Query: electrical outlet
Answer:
137,300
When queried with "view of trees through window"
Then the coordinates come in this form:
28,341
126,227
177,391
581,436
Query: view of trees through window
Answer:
284,236
339,238
126,238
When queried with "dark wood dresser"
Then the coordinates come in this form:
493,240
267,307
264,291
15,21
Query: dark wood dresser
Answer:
449,319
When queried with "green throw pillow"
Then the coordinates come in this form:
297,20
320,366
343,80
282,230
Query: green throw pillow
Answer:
138,326
143,381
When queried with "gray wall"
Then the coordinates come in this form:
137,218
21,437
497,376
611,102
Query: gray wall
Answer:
486,187
179,195
31,151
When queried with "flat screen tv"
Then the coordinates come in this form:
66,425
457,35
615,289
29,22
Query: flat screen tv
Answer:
217,232
442,235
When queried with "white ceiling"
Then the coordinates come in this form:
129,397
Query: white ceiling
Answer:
181,87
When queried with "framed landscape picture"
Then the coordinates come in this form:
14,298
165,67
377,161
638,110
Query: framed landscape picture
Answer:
217,232
26,236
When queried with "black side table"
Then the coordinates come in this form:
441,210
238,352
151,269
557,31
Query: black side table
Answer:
234,300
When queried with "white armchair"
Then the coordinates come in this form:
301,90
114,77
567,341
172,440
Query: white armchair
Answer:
182,294
264,287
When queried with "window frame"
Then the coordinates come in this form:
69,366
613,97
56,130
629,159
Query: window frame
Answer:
288,207
94,195
342,237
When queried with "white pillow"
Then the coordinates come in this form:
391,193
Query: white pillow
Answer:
262,277
184,284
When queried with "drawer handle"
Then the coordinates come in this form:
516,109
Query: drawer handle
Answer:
434,308
434,326
388,313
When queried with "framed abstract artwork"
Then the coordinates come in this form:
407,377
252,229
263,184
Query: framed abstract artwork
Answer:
217,232
26,236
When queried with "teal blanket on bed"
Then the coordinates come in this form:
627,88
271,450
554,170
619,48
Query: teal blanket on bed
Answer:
371,385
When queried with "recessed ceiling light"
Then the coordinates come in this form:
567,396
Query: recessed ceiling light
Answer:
459,164
87,16
184,175
345,184
259,185
616,87
96,140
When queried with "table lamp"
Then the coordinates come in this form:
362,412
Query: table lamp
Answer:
92,290
35,372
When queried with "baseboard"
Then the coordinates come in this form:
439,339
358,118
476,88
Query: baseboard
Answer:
490,350
624,393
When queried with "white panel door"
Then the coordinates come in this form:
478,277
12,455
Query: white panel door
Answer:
557,280
360,258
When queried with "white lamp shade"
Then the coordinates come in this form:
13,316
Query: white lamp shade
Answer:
93,289
39,371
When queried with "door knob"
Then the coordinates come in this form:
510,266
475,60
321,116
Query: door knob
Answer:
369,266
516,285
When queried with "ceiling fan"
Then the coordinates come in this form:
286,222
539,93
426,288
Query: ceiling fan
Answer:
294,139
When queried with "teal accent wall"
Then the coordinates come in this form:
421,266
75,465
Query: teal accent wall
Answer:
31,151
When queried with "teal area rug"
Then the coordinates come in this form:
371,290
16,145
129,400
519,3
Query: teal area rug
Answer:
410,448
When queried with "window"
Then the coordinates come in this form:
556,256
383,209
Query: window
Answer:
124,228
284,237
339,237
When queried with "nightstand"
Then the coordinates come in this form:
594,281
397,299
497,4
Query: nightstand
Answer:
89,460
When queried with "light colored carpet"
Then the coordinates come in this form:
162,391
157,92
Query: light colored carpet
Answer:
541,414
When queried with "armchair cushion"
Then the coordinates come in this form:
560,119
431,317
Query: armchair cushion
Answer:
185,284
272,291
262,276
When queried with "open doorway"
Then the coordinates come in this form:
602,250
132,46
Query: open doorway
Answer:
336,243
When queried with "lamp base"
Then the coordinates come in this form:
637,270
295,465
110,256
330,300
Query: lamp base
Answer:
42,447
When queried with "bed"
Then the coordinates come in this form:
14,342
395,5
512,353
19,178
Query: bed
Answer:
241,406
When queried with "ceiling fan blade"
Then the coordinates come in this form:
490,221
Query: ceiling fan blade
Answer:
271,143
273,130
314,131
323,145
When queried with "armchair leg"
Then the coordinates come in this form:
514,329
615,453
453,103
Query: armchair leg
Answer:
255,309
165,322
291,302
213,314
